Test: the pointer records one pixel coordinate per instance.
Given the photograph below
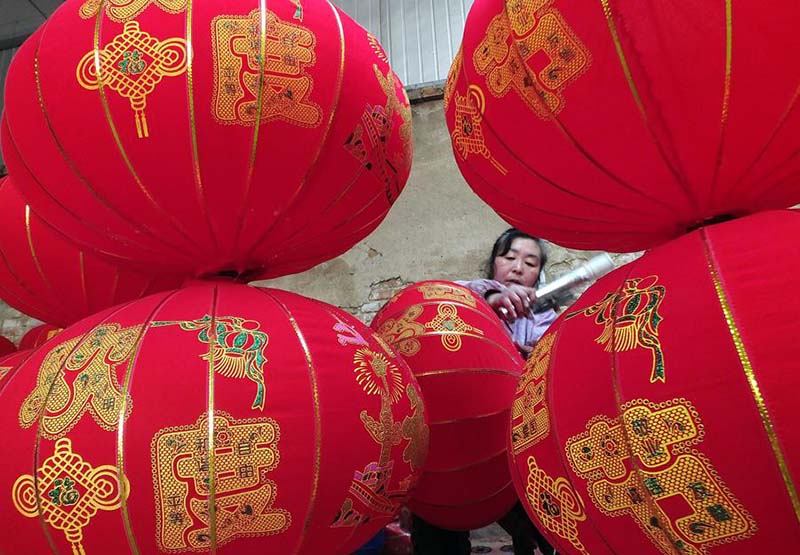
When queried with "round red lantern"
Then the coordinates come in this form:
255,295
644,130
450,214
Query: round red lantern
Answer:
621,125
38,336
467,367
45,275
216,418
658,413
252,139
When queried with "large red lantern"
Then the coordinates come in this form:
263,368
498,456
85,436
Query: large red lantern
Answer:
216,418
620,125
250,138
45,275
658,414
467,367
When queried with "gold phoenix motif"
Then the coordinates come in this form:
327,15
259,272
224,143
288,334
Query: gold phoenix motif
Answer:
80,376
369,142
467,135
277,88
132,65
630,319
525,30
451,326
530,418
558,505
238,352
67,491
245,452
447,292
377,375
402,333
633,463
123,10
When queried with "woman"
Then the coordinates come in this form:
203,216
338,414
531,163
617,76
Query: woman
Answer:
513,271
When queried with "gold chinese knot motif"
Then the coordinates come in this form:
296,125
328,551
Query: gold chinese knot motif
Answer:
243,453
402,333
247,88
451,327
67,491
639,464
530,418
467,135
630,319
558,505
123,10
447,292
132,65
238,349
370,488
369,142
525,31
80,376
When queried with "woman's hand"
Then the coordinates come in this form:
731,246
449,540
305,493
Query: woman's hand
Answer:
513,302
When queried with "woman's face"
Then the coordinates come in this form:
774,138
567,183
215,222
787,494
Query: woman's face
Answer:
520,265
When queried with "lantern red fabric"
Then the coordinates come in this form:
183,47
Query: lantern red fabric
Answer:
620,125
216,418
131,127
9,362
45,275
658,414
38,336
6,346
467,367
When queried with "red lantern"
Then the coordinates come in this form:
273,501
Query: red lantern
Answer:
38,336
467,367
658,414
620,125
216,418
6,346
45,275
247,138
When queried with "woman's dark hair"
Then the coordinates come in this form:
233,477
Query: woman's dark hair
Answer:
503,245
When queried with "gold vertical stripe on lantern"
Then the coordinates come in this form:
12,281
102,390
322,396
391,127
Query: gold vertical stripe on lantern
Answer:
212,486
752,380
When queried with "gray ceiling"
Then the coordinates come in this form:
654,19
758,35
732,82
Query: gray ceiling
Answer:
19,18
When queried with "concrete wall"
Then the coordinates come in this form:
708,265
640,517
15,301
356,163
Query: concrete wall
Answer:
437,229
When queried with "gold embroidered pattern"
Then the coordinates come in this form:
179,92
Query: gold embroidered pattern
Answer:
526,30
402,332
123,10
5,371
452,327
452,77
298,13
80,376
656,438
377,375
69,491
415,431
133,64
282,80
377,48
369,142
245,452
467,135
630,319
447,292
530,418
239,349
559,507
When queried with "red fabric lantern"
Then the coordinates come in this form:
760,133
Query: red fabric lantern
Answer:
6,346
620,125
316,435
131,126
467,367
45,275
9,362
658,414
38,336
